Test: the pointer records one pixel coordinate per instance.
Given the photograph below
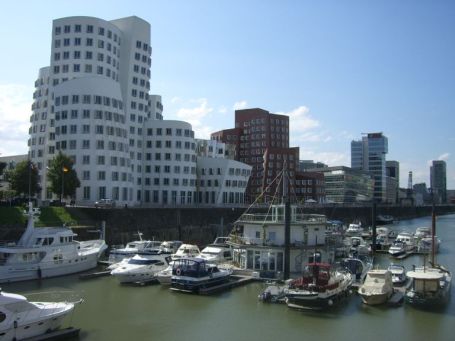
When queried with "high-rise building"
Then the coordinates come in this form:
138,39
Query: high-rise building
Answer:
262,141
392,181
438,181
368,154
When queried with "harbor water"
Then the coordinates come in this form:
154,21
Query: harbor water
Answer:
111,311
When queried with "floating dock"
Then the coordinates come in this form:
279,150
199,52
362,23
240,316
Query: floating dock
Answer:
236,281
61,334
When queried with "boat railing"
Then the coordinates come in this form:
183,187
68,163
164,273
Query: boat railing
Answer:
263,217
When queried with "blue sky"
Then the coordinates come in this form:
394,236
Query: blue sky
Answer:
338,68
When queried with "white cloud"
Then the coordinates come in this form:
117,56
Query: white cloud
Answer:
444,156
195,115
15,103
329,158
300,120
175,99
240,105
222,110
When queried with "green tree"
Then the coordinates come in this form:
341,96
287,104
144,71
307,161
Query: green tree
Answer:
63,177
24,178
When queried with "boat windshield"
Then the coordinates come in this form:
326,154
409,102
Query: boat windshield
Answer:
144,261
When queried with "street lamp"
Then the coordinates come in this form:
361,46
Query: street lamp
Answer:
64,170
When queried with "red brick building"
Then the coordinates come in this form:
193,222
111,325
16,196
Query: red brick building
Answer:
262,141
310,186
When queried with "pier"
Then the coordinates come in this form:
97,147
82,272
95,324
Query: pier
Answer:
236,281
60,334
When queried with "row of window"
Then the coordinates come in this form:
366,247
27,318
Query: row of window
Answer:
101,57
88,99
75,114
101,44
77,28
170,132
85,144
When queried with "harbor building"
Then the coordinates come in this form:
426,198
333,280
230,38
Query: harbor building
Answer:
438,181
368,155
261,140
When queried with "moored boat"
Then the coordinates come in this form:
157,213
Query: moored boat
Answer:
185,251
47,252
194,274
377,288
141,268
21,319
398,274
319,288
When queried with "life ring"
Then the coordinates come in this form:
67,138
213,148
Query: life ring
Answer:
178,271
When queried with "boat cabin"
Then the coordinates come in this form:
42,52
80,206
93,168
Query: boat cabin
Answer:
193,267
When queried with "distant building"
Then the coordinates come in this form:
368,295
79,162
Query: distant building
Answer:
392,181
438,180
261,140
310,164
310,187
368,155
421,194
344,185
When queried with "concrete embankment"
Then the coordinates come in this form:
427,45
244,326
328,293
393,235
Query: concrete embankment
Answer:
200,225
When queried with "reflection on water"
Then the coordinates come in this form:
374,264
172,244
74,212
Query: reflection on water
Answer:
114,312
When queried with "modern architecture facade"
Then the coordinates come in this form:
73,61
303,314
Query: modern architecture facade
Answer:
93,103
344,185
369,155
261,140
392,181
438,181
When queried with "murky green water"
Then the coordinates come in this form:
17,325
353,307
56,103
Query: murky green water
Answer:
115,312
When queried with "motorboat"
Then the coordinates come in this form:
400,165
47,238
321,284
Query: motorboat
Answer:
194,274
358,267
430,286
357,246
354,229
377,288
384,219
425,244
141,268
21,319
382,242
164,277
133,248
391,234
320,287
217,252
422,232
170,246
398,274
47,252
404,243
185,251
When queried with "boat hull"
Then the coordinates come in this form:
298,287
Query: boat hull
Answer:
16,272
314,301
194,285
375,299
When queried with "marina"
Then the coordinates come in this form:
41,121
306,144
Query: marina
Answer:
115,312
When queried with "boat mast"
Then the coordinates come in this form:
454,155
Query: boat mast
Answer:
287,223
433,232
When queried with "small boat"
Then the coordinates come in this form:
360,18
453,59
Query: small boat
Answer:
319,288
185,251
357,246
398,274
377,288
141,268
21,319
193,274
404,243
164,277
47,252
422,232
430,286
170,246
133,248
358,267
354,229
385,230
384,219
217,252
383,242
424,245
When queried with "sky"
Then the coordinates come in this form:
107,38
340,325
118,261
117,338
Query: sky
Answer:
337,68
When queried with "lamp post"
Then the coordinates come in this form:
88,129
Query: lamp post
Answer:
64,170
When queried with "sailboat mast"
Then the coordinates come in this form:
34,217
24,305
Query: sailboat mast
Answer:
433,232
287,224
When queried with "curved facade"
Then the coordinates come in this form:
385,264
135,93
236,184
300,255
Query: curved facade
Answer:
169,167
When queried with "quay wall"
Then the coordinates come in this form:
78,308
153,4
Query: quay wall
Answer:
201,225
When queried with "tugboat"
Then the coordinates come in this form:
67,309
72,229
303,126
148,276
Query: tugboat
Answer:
319,288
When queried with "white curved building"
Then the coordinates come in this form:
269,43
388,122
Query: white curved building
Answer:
169,165
93,104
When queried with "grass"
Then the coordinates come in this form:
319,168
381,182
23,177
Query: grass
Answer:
50,216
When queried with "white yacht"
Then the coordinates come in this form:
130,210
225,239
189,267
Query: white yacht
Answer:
377,288
47,252
21,319
170,246
404,243
141,268
398,274
186,250
357,246
133,248
422,232
354,229
164,277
